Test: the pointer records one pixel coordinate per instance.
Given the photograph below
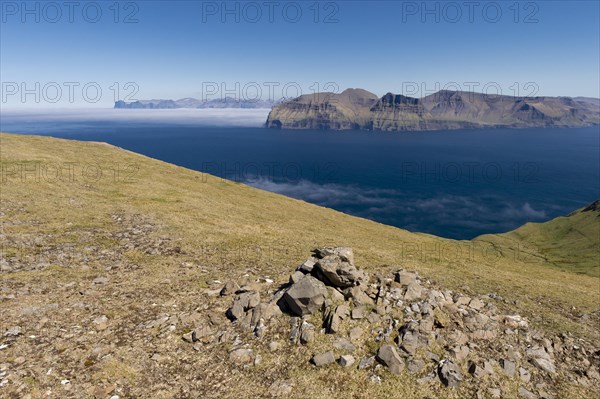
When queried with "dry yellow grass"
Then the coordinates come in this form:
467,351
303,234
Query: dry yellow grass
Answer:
229,230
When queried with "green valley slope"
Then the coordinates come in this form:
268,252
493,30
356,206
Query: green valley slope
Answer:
570,243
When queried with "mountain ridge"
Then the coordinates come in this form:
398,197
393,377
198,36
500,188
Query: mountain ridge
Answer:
194,103
361,110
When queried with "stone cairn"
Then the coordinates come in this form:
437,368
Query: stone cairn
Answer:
435,334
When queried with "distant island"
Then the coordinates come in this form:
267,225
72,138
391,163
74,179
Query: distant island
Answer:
359,109
227,102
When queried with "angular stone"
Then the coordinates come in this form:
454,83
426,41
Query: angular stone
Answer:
508,367
359,312
449,373
544,364
323,359
413,292
404,278
409,338
460,352
476,304
461,300
347,360
244,301
296,276
344,253
358,296
524,375
343,344
367,361
339,273
307,266
306,296
388,355
541,359
335,295
307,333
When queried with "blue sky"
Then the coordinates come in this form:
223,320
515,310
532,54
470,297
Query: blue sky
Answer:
184,48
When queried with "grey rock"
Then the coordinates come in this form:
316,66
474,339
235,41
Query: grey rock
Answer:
307,266
358,296
307,333
461,300
413,292
449,373
460,352
409,337
476,304
541,359
344,253
405,278
190,337
339,273
335,295
323,359
346,360
508,367
306,296
544,364
494,393
344,344
243,302
388,355
367,361
359,312
524,375
296,276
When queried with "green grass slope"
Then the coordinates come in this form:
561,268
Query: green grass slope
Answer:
570,243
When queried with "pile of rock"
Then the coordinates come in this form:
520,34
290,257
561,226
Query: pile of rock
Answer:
436,334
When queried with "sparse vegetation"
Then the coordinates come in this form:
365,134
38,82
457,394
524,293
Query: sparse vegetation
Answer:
164,236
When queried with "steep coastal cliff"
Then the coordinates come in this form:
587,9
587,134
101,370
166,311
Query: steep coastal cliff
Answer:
360,109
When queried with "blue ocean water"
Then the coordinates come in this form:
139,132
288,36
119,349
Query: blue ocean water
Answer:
456,184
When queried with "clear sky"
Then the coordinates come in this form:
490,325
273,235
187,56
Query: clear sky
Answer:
201,49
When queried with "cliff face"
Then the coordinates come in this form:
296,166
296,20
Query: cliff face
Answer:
347,110
359,109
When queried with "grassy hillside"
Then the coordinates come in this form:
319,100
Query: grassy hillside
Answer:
90,230
569,243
